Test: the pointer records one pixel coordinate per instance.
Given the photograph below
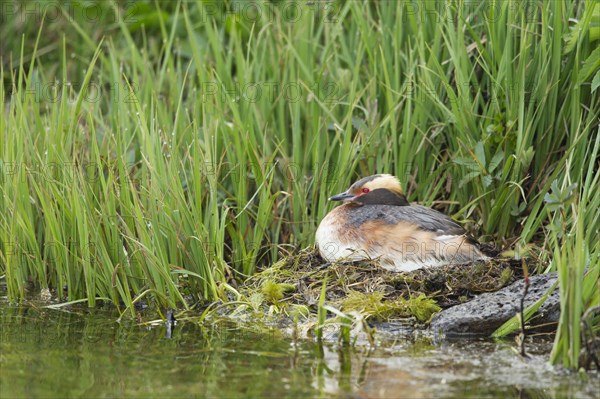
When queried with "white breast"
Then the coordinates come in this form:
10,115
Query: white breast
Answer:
332,245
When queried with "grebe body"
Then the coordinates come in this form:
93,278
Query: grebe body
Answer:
377,222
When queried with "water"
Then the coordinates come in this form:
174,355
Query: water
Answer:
46,353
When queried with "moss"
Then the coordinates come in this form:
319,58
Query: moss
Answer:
274,292
373,304
422,307
505,277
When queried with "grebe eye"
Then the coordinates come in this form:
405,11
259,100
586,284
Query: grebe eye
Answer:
365,190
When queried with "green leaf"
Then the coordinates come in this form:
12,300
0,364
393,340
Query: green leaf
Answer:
480,152
486,180
588,21
558,197
591,65
517,210
526,157
496,159
359,124
595,24
467,178
596,81
571,39
466,162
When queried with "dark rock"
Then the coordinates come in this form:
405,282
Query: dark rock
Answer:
488,311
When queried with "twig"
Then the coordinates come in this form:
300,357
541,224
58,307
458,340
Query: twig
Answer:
523,335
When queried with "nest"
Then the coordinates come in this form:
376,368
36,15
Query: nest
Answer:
368,288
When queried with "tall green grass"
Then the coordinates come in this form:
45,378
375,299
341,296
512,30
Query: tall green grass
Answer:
160,150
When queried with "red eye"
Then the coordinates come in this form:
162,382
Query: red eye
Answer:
365,190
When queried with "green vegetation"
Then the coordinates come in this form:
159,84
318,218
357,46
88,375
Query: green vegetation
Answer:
164,149
357,292
374,305
274,292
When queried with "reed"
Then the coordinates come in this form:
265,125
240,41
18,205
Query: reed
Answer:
175,145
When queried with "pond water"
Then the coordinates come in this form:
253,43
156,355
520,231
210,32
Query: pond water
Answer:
78,353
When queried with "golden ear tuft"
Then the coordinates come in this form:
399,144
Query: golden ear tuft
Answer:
385,181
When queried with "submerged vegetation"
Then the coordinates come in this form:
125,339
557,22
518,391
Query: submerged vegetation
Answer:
164,150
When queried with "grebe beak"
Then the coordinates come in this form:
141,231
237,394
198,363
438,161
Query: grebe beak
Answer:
342,197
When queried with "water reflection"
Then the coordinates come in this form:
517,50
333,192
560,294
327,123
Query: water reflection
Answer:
81,353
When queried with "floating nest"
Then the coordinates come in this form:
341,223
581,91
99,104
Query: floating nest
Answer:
373,291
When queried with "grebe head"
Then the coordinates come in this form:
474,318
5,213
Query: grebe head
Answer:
374,190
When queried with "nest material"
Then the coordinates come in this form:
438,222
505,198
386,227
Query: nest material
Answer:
298,280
